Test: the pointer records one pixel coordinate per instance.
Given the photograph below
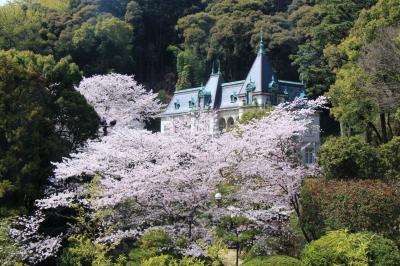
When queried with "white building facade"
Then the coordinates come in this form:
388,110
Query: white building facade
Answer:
231,100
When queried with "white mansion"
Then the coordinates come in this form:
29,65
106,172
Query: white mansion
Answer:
260,89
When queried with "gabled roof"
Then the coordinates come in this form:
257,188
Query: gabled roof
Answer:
261,77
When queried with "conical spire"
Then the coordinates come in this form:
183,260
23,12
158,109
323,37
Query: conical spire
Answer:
261,71
219,67
212,70
261,49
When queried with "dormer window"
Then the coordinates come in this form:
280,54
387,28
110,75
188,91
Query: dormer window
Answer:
234,97
206,97
192,103
177,104
274,84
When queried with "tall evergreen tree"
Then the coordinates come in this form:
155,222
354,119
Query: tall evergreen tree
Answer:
42,118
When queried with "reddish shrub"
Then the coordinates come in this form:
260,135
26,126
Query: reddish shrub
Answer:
364,205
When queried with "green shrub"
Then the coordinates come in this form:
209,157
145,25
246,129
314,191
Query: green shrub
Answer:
137,255
162,260
166,260
155,240
215,251
8,246
390,158
82,251
349,158
272,261
189,261
152,244
364,205
383,252
255,114
343,248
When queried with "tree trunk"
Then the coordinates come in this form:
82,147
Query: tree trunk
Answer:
349,131
342,129
368,134
296,207
383,128
389,127
190,226
370,125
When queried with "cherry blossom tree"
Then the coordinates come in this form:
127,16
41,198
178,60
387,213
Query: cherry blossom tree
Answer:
119,99
34,246
268,162
168,180
170,176
174,175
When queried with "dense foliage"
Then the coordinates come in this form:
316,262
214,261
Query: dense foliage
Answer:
128,36
353,158
143,37
8,251
389,157
347,158
272,261
367,205
342,248
42,118
363,95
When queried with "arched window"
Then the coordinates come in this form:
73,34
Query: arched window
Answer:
222,124
231,122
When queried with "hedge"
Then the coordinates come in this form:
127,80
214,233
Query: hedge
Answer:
363,205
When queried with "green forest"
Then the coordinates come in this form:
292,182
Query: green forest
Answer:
345,50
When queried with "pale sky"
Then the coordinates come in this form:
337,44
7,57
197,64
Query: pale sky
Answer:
2,2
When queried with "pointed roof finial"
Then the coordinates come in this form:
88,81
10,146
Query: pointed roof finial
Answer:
261,45
212,70
219,67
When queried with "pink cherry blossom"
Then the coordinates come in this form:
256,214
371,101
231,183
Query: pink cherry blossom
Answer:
170,179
